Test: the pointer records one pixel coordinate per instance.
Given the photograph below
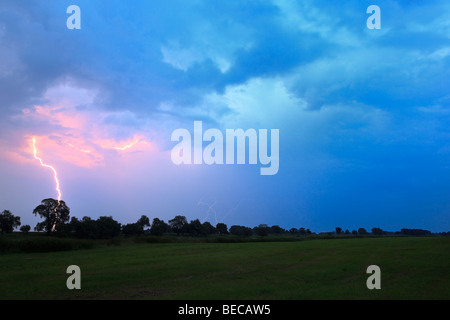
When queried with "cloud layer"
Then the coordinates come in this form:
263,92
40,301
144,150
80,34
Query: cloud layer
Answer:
362,113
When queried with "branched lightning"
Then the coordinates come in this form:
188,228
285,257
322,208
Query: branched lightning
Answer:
211,209
231,210
127,146
75,147
55,175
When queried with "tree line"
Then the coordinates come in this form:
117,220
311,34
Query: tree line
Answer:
56,221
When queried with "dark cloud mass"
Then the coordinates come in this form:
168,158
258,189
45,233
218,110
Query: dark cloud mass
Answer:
363,114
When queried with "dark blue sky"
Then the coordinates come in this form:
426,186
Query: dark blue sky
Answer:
363,114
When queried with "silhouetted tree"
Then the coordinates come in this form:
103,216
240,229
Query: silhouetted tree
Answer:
276,229
178,224
25,228
241,231
107,228
262,230
362,231
222,228
8,222
87,228
208,228
134,229
53,212
293,231
377,231
338,230
308,232
84,228
159,227
194,228
347,232
354,232
143,222
415,232
302,231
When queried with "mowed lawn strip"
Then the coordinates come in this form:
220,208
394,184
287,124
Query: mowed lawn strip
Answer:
411,268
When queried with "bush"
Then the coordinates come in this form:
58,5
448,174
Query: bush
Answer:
25,229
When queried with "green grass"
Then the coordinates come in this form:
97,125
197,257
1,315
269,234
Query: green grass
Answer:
411,268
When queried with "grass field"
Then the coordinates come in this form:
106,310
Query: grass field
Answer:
411,268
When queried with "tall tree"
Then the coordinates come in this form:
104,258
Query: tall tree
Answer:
107,228
194,227
54,212
276,229
136,228
362,231
262,230
178,224
377,231
8,222
143,221
208,228
241,231
222,228
159,227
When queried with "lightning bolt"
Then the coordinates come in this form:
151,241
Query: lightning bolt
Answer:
211,209
127,146
55,175
82,150
231,210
